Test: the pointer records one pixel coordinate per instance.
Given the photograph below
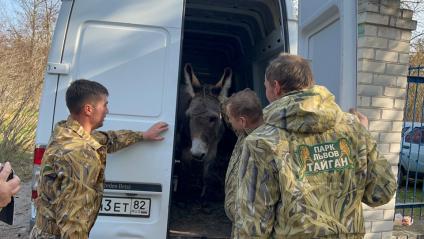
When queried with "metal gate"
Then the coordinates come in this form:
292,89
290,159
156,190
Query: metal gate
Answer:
410,192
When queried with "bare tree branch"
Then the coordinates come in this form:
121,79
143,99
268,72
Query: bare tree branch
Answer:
24,42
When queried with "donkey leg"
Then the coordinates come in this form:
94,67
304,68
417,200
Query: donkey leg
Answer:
207,187
184,176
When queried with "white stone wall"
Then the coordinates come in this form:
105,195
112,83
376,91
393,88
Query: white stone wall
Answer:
384,32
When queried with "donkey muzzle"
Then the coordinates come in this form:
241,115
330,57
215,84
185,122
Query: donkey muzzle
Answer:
198,149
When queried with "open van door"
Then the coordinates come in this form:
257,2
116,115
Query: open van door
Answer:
133,48
327,37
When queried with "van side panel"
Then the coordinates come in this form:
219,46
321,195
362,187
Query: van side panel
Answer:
292,25
133,48
47,103
130,69
327,37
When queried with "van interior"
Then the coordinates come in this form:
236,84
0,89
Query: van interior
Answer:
243,35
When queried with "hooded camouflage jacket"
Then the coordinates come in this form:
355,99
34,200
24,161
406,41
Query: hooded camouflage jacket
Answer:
305,172
71,179
232,175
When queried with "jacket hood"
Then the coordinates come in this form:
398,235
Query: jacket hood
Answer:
311,110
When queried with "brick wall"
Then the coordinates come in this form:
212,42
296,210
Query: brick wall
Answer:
384,32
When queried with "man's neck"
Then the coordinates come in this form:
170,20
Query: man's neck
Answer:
255,125
83,121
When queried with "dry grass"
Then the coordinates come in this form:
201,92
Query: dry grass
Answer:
24,45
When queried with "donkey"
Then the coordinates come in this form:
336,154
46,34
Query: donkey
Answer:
201,128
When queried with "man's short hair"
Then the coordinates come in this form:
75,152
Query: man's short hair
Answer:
81,92
291,72
245,103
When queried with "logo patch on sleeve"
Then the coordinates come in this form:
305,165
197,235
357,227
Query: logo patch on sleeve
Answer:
326,157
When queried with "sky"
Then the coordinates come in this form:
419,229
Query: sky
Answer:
8,9
8,5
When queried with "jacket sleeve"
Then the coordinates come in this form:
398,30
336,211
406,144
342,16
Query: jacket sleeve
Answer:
258,191
68,183
117,140
231,179
381,183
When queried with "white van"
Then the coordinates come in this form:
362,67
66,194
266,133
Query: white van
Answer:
136,48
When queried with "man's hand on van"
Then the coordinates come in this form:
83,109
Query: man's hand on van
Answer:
153,133
8,188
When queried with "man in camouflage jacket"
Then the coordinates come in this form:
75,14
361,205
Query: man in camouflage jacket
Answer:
72,171
306,171
244,113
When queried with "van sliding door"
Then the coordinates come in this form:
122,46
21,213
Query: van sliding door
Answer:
133,48
327,37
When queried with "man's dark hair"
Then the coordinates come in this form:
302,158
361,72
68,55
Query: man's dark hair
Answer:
245,103
82,91
291,72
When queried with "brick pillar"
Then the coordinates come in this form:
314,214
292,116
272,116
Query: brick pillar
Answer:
384,32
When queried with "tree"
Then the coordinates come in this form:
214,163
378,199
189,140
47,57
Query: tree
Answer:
25,37
415,92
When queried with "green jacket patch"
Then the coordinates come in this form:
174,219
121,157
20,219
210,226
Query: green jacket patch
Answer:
326,157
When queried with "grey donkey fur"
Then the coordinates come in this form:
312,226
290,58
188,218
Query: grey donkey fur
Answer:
202,127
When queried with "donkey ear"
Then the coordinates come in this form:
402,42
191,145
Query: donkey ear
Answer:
190,79
224,83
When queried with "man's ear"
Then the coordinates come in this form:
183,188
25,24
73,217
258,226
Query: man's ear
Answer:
243,122
278,90
87,109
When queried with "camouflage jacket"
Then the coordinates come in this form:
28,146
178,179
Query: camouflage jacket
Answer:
305,172
232,175
71,179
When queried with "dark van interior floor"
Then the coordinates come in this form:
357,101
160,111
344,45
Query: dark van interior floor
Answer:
190,220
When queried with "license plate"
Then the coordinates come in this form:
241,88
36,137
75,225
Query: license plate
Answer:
130,207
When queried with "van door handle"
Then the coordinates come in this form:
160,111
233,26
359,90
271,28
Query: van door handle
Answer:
57,68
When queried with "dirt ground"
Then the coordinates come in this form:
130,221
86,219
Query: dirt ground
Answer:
193,221
22,214
20,227
416,230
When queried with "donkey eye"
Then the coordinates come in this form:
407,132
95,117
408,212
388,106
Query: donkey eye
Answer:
213,119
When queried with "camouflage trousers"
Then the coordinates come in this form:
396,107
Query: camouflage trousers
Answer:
36,233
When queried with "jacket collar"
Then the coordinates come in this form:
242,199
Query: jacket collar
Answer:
79,130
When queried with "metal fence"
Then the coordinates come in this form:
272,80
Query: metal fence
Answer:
410,192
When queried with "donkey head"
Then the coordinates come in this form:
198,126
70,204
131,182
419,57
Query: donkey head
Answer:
204,113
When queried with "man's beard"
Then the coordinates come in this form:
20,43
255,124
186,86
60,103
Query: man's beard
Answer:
100,124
